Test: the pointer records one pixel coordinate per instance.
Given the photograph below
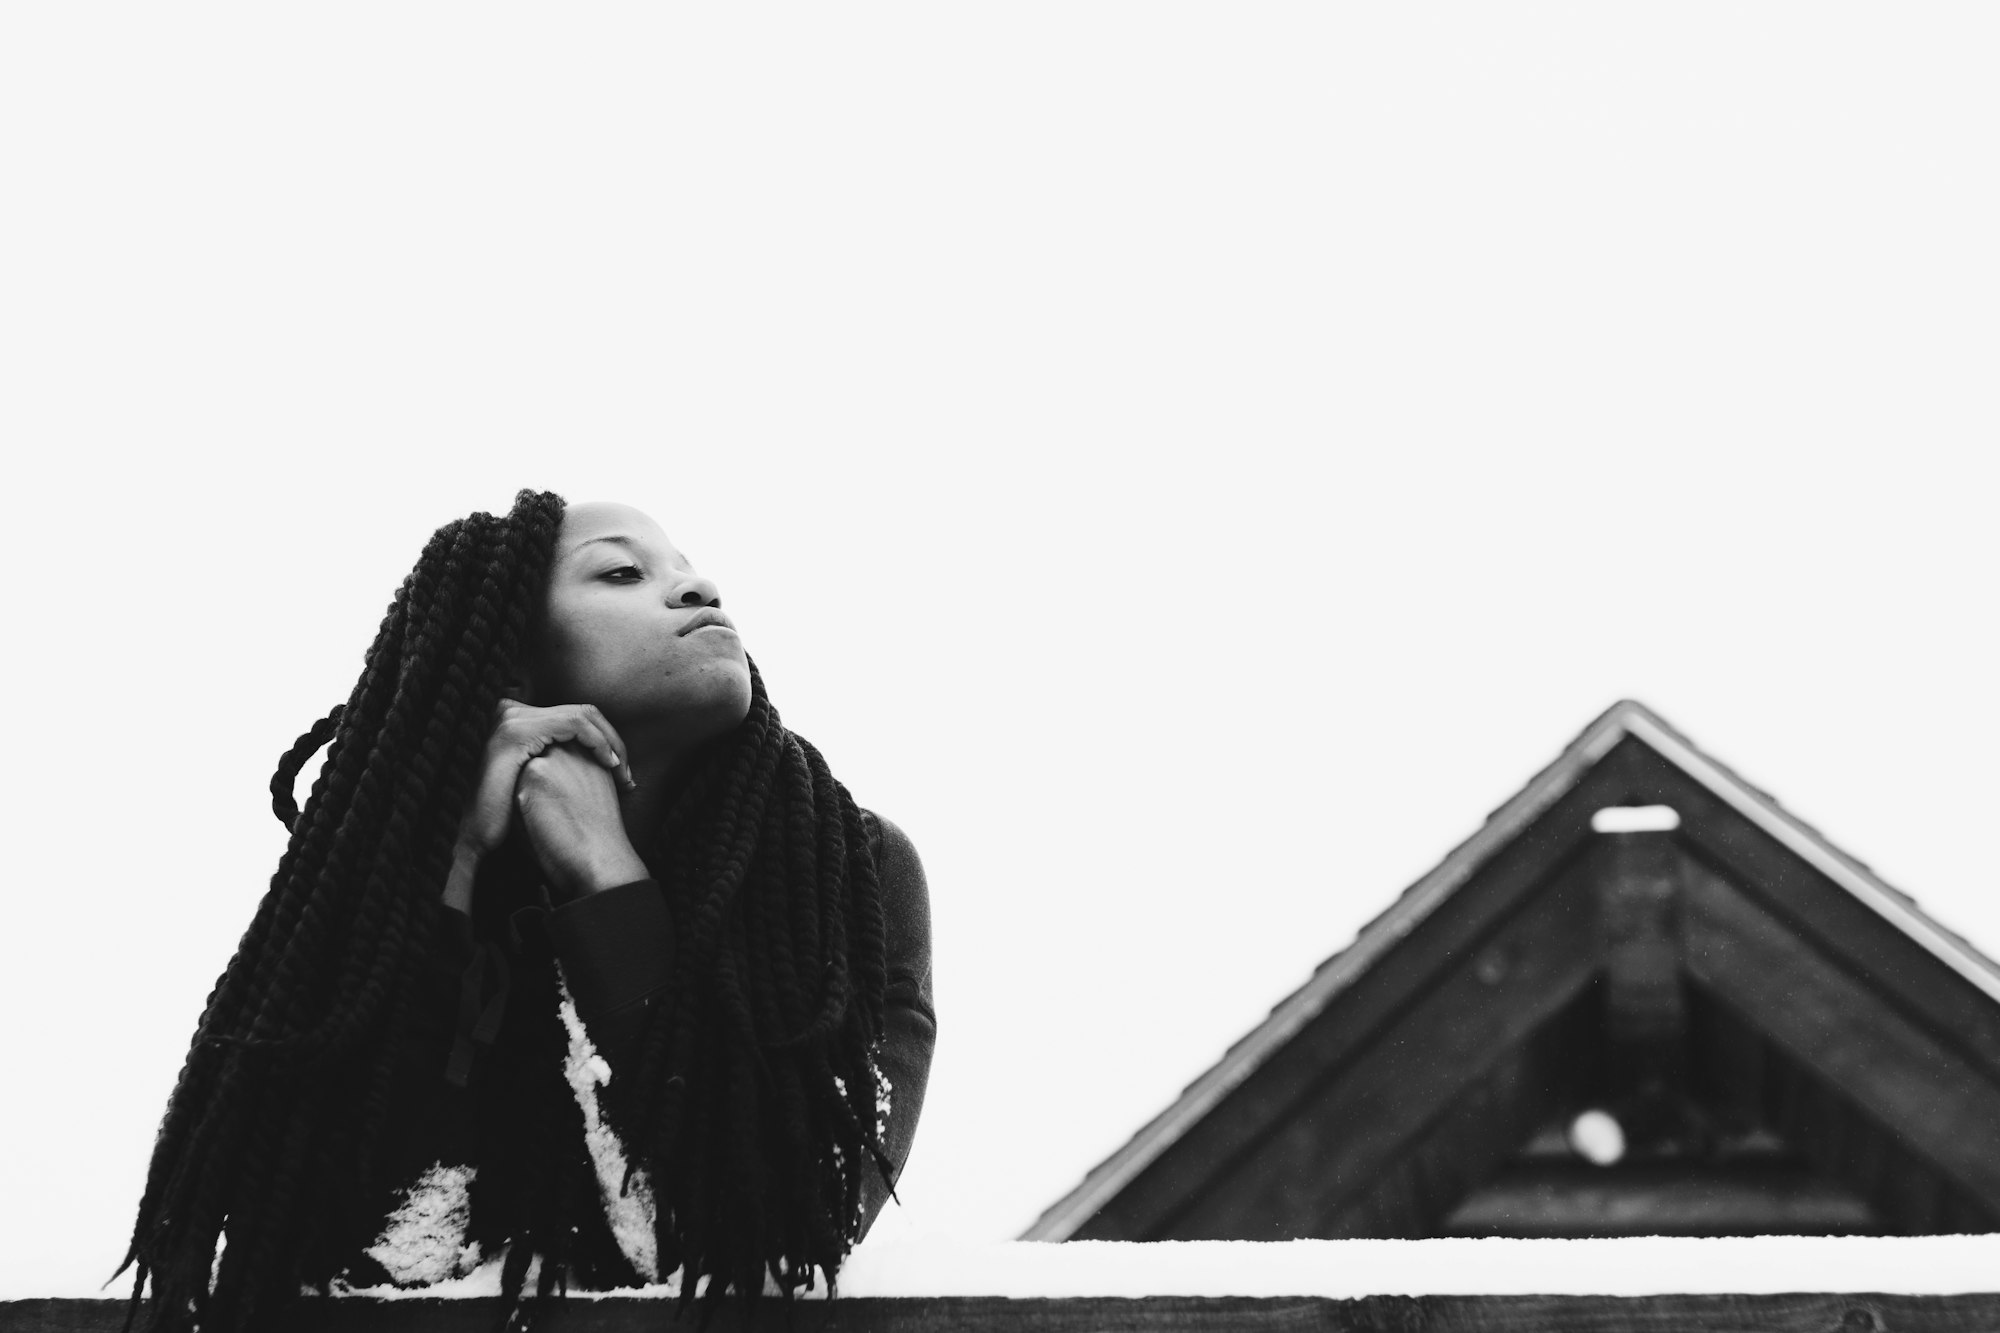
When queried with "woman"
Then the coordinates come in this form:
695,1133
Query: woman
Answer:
575,952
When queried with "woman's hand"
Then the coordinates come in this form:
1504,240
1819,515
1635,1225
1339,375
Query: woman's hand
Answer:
570,810
521,735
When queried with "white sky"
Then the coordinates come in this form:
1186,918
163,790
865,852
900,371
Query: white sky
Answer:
1184,464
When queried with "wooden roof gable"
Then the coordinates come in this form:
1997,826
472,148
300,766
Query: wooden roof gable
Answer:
1750,995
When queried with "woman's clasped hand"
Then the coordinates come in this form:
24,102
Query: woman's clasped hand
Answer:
561,768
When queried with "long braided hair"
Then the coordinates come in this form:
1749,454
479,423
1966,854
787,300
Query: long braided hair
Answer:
752,1105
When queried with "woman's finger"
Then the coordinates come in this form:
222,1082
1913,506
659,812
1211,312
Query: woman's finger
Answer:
531,732
523,733
616,756
589,730
536,729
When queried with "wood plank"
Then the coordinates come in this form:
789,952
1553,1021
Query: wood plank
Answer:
1482,1129
1790,1313
1452,936
1365,1113
1558,1199
1845,1033
1748,1084
1819,910
1637,888
1727,1065
1645,1010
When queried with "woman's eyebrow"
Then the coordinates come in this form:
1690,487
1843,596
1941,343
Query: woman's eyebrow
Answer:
622,540
680,562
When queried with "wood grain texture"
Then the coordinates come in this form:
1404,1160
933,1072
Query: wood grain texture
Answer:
1846,1032
1819,911
1798,1313
1661,1199
1747,1083
1476,1136
1346,1136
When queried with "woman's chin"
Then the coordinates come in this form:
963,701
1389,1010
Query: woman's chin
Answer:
712,704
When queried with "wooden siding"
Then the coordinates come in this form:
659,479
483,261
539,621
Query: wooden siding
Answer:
1849,1036
1445,1045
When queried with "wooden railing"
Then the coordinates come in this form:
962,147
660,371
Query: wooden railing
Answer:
1934,1284
1798,1313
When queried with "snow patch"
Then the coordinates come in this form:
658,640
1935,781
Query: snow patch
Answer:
883,1091
423,1240
630,1211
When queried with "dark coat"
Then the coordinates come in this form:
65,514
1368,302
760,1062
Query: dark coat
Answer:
614,949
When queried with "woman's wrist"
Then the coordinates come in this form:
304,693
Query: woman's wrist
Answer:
605,868
458,884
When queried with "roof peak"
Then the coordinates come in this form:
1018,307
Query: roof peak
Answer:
1627,718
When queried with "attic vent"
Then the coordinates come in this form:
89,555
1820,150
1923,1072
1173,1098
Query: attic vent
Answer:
1597,1137
1635,819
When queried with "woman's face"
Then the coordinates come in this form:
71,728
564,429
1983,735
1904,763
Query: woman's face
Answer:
632,628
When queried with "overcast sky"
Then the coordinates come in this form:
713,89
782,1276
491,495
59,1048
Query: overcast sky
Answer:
1186,465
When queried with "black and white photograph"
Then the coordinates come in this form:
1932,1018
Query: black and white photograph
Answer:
1051,666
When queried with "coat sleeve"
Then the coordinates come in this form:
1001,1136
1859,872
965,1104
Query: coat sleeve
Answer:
616,947
909,1017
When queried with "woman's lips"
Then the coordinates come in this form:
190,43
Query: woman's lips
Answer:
707,618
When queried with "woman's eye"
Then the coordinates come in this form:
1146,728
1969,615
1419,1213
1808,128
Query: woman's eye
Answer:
622,570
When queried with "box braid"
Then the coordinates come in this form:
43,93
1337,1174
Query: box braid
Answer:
755,1093
753,1105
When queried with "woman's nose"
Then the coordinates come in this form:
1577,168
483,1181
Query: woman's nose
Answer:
694,590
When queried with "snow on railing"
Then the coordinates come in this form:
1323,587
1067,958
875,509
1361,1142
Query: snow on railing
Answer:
1625,1266
919,1266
